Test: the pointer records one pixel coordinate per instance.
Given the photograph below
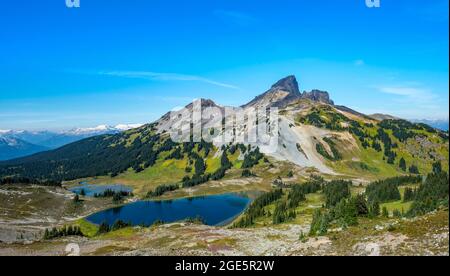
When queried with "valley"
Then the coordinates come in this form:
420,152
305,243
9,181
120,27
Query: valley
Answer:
337,183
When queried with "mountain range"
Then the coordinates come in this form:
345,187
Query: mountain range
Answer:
19,143
314,134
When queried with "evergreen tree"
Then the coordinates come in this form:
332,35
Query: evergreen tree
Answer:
335,191
385,212
375,209
402,164
104,228
414,169
361,205
319,224
225,162
200,166
408,194
437,167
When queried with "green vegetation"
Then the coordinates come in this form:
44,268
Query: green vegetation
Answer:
247,173
99,155
344,211
324,117
87,229
402,146
387,190
322,151
335,191
160,190
256,209
105,228
65,231
431,194
28,181
252,158
336,155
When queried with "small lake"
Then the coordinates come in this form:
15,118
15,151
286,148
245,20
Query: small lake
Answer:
214,210
91,190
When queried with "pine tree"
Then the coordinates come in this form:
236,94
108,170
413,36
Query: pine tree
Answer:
408,195
385,212
104,228
414,169
437,168
402,164
375,209
225,162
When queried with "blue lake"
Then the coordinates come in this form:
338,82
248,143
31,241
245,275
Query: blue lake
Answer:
91,190
214,210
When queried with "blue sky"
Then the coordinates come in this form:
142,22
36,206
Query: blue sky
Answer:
113,61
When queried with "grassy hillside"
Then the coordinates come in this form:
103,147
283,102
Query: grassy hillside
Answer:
384,148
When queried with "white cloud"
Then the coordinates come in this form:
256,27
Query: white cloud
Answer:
165,77
417,94
412,100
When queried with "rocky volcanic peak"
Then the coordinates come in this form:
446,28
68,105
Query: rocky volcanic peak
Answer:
280,94
205,103
318,96
173,119
288,84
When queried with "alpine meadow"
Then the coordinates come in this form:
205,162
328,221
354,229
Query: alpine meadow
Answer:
224,128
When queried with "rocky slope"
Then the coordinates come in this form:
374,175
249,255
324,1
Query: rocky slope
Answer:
312,133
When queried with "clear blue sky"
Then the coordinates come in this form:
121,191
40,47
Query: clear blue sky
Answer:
115,61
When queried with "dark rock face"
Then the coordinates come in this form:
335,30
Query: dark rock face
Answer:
272,97
286,91
288,84
318,96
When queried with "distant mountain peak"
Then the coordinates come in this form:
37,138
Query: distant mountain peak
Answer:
280,94
288,84
318,96
205,103
100,129
286,91
381,117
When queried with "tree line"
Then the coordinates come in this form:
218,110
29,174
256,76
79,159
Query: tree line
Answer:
29,181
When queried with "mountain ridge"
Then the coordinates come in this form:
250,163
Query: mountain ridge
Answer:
285,92
11,148
37,141
313,134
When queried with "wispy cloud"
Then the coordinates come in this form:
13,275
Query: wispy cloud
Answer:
359,62
414,101
418,94
166,77
235,17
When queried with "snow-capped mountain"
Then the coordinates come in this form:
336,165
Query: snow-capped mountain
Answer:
13,148
19,143
101,129
77,134
33,137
